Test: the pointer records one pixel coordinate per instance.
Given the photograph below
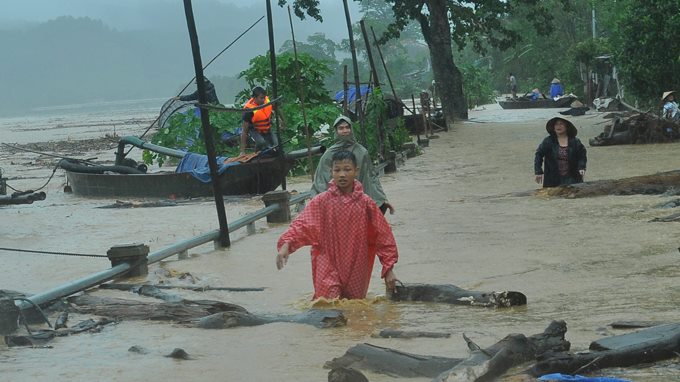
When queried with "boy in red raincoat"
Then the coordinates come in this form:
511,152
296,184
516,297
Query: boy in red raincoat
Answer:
346,231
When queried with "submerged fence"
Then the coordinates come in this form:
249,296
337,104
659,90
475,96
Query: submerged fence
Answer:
180,249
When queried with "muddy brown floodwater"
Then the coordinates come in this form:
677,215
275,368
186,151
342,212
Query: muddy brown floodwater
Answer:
586,261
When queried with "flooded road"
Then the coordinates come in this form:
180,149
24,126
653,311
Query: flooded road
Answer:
586,261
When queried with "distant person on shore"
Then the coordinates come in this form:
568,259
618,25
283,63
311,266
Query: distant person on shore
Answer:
346,231
670,106
513,85
561,158
258,123
210,93
344,140
556,89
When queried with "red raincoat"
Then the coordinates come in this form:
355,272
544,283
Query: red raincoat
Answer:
346,232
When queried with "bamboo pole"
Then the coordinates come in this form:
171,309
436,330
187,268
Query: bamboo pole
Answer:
359,110
376,83
208,133
345,88
387,73
272,57
302,98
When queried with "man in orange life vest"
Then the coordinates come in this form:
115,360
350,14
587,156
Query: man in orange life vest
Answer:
258,123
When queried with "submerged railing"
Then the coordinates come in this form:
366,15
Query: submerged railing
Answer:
180,249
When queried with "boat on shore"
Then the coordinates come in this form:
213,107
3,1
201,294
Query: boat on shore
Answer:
258,175
526,103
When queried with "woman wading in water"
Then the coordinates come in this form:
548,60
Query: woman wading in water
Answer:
561,157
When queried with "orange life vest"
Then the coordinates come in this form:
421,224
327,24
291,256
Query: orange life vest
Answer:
262,118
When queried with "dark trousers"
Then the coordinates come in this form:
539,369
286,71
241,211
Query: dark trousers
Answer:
263,140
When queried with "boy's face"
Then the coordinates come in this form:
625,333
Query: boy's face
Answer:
344,172
259,99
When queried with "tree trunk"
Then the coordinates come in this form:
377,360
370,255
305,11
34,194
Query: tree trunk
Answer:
437,33
493,361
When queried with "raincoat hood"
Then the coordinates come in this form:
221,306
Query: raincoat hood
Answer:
342,142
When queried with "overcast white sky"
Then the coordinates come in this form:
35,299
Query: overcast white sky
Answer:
143,14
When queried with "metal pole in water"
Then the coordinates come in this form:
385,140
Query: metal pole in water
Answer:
208,134
272,57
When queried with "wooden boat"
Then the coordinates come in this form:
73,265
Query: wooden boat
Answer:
258,176
525,103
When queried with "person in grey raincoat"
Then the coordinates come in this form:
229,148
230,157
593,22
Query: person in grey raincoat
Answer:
344,140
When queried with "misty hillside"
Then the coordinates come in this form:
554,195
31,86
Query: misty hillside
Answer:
75,60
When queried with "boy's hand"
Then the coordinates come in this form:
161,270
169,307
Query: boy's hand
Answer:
391,281
389,207
282,257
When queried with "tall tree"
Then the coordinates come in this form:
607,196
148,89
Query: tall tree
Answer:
648,53
479,22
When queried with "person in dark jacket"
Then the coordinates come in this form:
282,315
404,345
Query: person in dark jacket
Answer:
561,157
210,93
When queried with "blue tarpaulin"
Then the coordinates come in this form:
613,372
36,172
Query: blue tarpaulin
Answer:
351,93
197,165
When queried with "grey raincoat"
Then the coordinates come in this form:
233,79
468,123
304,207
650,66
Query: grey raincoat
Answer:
367,174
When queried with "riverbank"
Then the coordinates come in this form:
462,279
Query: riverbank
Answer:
587,261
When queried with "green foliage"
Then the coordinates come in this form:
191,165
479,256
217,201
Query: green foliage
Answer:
184,131
376,114
647,49
476,85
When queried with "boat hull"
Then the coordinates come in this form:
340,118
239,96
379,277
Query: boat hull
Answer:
257,177
538,104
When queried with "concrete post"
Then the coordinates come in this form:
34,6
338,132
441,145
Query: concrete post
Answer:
134,254
9,315
282,198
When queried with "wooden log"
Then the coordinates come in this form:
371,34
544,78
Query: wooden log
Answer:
121,309
654,184
648,345
392,333
207,314
452,294
398,363
635,324
133,287
317,317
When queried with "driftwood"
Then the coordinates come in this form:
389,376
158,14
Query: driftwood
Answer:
635,324
40,337
207,314
27,197
392,333
135,287
320,318
638,129
452,294
655,184
645,346
510,351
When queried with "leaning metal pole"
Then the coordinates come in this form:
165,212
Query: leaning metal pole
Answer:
272,57
359,110
208,134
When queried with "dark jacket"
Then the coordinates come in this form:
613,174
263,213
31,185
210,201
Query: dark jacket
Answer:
210,94
545,161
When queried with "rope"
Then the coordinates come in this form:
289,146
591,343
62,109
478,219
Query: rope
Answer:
54,171
49,252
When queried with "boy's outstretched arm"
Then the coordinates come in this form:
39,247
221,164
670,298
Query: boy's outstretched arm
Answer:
282,257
